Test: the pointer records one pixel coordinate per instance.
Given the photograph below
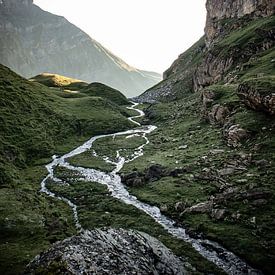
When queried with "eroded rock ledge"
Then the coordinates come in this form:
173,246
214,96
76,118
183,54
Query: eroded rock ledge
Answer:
108,251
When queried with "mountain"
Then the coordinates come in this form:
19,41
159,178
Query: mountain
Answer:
33,41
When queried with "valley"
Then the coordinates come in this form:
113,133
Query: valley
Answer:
176,180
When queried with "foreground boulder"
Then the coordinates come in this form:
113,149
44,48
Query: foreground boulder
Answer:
108,251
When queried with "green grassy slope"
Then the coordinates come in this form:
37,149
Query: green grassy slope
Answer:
247,227
55,80
99,89
36,122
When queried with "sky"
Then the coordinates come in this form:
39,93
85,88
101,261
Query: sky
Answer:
146,34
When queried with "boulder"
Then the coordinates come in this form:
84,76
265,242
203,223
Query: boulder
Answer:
108,251
218,114
202,207
155,172
234,134
218,214
258,94
180,206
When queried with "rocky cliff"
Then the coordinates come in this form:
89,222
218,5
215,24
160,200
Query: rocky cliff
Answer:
33,41
220,11
112,251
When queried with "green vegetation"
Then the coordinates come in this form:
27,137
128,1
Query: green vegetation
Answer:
87,160
36,122
29,221
98,209
206,153
55,80
126,144
252,34
99,89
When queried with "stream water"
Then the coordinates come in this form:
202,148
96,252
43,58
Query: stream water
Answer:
212,251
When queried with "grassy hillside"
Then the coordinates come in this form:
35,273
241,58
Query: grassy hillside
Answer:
55,80
98,89
233,181
36,122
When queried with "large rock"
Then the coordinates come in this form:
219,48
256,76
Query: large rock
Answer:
202,207
234,134
218,114
109,251
259,94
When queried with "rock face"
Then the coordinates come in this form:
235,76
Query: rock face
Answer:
218,10
209,61
33,41
258,97
112,251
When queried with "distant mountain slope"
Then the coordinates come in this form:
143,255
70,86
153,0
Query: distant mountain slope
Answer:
33,41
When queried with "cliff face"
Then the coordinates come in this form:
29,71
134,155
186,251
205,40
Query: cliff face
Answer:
218,10
33,41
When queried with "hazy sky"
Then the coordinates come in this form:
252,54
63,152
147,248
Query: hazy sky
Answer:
147,34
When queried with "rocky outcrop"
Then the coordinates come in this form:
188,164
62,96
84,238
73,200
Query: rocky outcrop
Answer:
109,251
234,134
153,173
258,94
218,10
33,41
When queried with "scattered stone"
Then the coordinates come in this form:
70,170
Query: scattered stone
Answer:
155,172
108,251
163,208
259,202
203,207
262,163
218,214
180,206
216,151
226,171
256,194
242,181
218,114
183,147
236,215
258,97
253,220
234,135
